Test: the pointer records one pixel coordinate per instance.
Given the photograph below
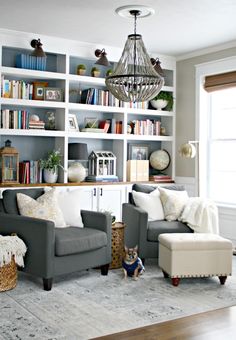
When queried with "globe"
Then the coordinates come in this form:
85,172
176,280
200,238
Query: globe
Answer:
160,159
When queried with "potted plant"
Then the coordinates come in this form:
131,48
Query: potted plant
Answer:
50,166
109,72
164,99
95,72
81,69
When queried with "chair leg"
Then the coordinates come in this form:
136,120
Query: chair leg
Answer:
165,274
222,279
47,284
175,281
104,269
143,260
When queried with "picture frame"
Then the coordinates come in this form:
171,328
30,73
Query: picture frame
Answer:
138,151
73,122
38,89
53,94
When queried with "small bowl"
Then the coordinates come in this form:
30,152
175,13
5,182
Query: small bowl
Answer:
159,104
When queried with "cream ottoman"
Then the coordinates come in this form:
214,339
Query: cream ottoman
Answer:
195,255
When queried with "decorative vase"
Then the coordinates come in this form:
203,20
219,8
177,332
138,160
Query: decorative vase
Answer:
81,72
96,74
50,176
76,172
159,104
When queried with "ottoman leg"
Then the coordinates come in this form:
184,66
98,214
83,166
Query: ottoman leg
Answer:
222,279
175,281
165,274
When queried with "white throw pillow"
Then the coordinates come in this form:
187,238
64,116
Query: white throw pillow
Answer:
45,207
173,202
69,202
150,203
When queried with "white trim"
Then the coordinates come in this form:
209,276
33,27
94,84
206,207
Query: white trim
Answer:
207,50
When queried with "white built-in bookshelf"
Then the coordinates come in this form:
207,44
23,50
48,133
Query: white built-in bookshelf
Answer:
62,59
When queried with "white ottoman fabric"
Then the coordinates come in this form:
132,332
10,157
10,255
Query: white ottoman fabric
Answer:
195,255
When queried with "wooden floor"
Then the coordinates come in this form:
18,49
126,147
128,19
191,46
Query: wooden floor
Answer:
219,324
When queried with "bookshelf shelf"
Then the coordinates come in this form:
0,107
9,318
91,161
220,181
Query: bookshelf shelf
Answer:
60,73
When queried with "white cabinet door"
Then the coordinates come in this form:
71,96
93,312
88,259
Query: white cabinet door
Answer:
88,198
110,198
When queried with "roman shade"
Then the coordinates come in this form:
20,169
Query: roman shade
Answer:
220,81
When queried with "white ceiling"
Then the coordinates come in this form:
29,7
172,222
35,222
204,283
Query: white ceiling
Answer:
178,26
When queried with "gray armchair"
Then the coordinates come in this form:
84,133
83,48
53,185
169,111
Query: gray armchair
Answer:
54,251
139,231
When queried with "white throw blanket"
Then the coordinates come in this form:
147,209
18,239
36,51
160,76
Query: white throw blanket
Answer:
9,246
201,215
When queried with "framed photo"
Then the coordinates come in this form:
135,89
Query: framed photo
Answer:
138,152
72,122
38,90
53,94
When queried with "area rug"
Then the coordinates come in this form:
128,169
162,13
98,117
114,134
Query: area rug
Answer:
86,305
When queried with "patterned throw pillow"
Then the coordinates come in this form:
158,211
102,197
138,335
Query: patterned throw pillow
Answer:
173,202
44,207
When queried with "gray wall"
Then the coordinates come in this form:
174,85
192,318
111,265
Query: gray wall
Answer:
185,105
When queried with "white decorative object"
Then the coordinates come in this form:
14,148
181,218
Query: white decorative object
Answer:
70,202
12,246
173,202
50,176
102,163
159,104
45,207
34,118
151,203
76,172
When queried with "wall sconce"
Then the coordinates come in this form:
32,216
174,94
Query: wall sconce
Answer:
157,66
101,54
191,150
38,51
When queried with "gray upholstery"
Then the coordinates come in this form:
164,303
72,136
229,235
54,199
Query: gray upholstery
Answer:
52,251
145,233
75,240
10,202
155,228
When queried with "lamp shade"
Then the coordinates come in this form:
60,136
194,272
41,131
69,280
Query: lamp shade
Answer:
77,151
187,150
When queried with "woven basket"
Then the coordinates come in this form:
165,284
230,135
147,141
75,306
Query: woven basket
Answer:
117,245
8,276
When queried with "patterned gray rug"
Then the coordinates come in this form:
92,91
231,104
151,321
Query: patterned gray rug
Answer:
86,305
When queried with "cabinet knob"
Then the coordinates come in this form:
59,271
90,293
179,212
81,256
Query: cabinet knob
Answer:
100,191
94,192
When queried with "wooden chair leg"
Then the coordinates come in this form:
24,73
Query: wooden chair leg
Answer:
165,274
104,269
222,279
175,281
47,284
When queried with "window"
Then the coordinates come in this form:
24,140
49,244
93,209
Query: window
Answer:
221,150
216,130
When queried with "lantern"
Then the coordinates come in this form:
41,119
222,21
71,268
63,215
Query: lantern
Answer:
9,164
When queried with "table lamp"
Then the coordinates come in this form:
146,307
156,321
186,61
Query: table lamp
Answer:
76,170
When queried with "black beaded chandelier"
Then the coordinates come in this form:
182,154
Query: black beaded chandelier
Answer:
134,78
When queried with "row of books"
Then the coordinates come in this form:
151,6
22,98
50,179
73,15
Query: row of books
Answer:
18,119
146,127
30,172
17,89
95,96
31,62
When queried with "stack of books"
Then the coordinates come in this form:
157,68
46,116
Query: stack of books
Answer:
160,178
39,124
107,178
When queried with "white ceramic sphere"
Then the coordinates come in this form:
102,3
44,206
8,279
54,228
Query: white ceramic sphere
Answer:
76,172
159,104
35,118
